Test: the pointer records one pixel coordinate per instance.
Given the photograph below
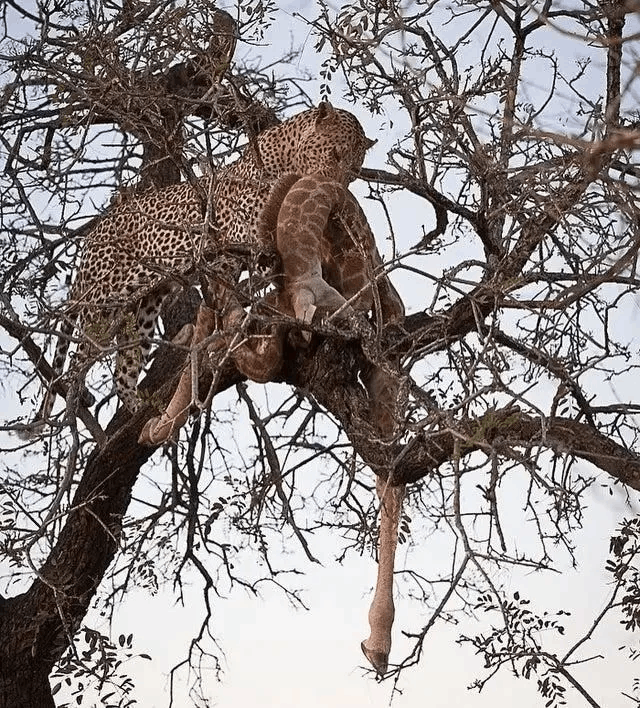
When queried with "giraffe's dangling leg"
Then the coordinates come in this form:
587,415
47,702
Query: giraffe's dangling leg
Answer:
387,392
381,613
158,430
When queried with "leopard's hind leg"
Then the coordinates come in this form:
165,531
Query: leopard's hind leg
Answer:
134,340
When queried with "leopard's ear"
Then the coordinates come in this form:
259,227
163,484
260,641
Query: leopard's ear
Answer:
369,143
325,112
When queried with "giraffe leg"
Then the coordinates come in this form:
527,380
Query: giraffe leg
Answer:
381,613
158,430
362,263
259,356
302,219
386,401
390,302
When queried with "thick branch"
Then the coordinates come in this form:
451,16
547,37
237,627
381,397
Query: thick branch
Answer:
419,188
326,379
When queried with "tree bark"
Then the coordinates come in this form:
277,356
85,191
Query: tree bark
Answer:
24,680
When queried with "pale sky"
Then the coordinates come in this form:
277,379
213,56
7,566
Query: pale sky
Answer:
278,656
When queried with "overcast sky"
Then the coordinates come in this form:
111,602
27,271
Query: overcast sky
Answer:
279,656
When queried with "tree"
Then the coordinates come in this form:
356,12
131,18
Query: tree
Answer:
518,352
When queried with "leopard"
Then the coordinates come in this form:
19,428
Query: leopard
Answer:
147,245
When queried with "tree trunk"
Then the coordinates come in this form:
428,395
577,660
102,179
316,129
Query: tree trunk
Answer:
28,688
36,627
24,675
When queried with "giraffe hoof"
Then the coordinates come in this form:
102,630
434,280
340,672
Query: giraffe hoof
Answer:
307,317
146,435
378,659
